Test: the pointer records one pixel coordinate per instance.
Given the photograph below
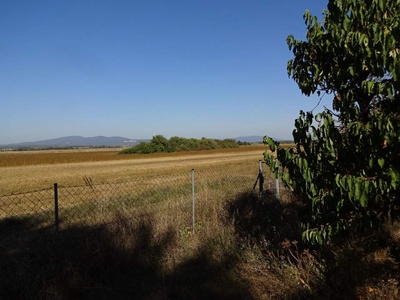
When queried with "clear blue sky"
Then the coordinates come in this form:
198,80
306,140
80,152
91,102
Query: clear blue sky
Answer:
130,68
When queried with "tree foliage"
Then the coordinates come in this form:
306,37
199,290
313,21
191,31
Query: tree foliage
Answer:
159,144
346,164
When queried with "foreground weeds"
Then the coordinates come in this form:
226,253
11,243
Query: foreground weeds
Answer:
248,248
124,260
282,267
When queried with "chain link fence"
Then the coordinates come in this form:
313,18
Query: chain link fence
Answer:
182,200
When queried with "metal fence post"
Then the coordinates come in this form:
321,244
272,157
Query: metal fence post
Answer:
193,202
261,179
56,221
277,181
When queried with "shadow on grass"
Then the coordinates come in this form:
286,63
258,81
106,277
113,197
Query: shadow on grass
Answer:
365,266
265,219
125,260
135,259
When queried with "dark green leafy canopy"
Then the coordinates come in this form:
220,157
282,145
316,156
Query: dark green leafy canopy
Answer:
346,164
353,54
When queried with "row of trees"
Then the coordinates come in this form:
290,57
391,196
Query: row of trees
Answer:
346,164
160,144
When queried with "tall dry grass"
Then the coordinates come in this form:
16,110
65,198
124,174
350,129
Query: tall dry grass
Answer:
113,252
244,248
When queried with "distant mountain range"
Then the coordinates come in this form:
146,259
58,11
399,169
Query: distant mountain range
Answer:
99,141
78,141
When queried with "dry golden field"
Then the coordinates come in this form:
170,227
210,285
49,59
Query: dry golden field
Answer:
94,185
32,170
46,157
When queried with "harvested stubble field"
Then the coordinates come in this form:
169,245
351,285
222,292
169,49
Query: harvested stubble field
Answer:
129,234
34,170
46,157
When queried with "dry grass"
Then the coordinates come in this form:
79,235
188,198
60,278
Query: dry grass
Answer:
243,248
280,266
49,157
22,178
96,202
149,252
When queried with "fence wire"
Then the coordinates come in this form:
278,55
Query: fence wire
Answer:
94,204
168,198
37,206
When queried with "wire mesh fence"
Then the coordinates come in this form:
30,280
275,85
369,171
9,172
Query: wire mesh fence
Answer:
94,204
181,200
37,206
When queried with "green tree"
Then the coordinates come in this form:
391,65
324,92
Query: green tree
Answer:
176,143
346,163
159,143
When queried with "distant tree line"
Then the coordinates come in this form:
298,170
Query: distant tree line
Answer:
240,143
160,144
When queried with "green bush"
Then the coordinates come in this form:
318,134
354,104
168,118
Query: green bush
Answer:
159,144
